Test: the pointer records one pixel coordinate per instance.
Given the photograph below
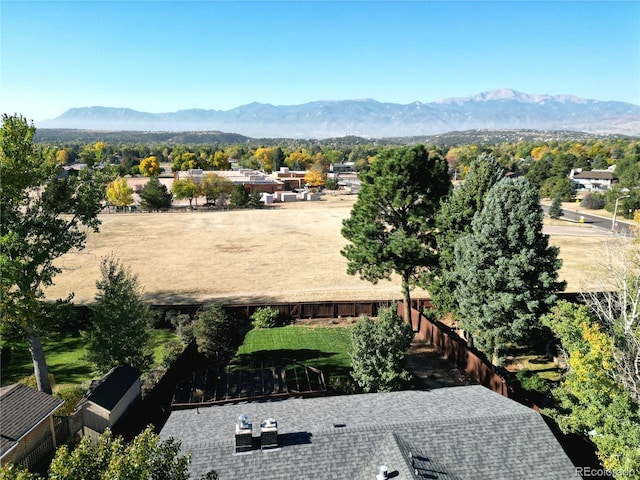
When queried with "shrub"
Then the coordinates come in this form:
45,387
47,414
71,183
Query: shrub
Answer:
71,394
265,317
331,184
183,325
31,382
171,351
378,351
214,333
343,386
593,201
531,381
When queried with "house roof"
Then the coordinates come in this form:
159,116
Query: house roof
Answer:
594,175
21,409
113,386
448,433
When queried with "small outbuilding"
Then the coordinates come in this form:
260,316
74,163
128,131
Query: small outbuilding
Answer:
109,399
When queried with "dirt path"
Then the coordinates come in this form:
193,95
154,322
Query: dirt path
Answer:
432,369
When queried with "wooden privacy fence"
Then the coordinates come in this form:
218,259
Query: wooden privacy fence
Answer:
453,348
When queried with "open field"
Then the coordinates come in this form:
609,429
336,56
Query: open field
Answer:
290,252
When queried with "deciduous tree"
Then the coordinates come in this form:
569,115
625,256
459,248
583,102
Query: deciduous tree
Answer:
315,177
216,187
378,349
146,457
42,218
185,188
391,228
591,399
506,272
150,167
119,193
118,334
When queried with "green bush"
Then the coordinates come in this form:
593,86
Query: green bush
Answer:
71,394
331,184
531,381
265,317
171,351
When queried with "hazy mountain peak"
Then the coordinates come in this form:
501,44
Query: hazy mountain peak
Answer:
492,110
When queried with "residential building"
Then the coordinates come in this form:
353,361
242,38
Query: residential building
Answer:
27,427
593,180
449,433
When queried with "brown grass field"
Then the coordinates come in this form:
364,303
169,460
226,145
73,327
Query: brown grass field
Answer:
290,252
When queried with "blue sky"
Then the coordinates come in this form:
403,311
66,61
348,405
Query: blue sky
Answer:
173,55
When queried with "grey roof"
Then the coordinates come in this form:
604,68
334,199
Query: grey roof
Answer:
113,386
21,409
594,175
449,433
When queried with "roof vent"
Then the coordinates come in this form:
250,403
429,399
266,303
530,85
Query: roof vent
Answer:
383,473
243,434
269,434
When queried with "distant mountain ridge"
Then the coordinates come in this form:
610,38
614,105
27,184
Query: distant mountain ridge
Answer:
496,109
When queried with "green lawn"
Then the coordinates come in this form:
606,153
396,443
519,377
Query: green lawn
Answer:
325,348
66,356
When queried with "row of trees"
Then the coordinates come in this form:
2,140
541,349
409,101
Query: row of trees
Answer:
494,271
480,250
546,164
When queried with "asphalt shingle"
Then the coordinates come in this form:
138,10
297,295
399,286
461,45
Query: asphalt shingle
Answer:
449,433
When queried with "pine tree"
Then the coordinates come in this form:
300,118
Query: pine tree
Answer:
555,211
454,220
392,224
506,272
155,196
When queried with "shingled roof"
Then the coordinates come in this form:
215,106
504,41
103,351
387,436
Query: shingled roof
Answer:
21,409
112,387
593,175
449,433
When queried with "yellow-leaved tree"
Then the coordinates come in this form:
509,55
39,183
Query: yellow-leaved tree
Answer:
150,167
315,177
119,193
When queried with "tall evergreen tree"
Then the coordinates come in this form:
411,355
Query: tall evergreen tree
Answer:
506,272
454,220
155,196
555,210
391,228
118,334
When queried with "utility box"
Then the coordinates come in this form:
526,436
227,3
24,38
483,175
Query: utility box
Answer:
244,438
269,434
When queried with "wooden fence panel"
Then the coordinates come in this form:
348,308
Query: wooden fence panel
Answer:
455,349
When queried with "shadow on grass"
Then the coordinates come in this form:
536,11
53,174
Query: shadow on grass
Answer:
329,362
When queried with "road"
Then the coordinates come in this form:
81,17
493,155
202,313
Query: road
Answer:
622,227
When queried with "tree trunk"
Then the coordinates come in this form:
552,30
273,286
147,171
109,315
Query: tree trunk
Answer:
496,356
406,291
40,369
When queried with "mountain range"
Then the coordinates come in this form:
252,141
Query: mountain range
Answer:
497,109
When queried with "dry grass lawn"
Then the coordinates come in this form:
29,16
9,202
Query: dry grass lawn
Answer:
290,252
